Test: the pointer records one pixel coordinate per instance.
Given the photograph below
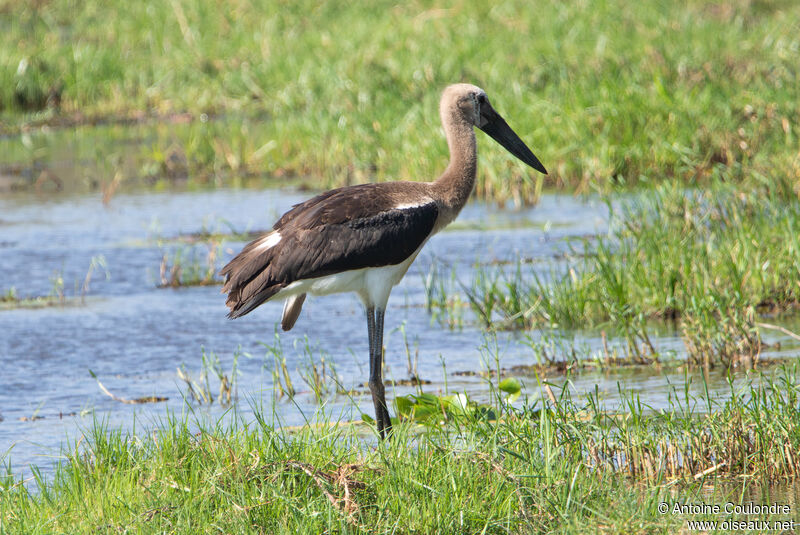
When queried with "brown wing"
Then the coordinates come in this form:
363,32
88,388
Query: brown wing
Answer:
350,228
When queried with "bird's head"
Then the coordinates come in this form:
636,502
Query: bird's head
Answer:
472,105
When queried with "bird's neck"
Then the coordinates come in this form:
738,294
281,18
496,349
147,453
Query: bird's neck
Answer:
454,186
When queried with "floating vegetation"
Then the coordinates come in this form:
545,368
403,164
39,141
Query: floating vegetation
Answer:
430,409
11,299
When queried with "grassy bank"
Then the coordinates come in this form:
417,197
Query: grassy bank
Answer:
712,260
565,466
605,91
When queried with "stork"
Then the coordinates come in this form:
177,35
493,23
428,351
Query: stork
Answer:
363,238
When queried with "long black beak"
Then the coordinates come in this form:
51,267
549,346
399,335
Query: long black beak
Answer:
494,125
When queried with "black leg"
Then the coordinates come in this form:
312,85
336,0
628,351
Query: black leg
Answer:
372,388
375,330
387,421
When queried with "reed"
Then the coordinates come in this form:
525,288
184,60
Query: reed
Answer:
190,265
557,464
712,260
198,386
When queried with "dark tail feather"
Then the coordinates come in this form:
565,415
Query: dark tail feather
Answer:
248,279
240,308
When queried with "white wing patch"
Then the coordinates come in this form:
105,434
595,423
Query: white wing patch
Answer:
406,206
268,241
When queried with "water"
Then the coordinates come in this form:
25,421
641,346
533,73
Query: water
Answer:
134,335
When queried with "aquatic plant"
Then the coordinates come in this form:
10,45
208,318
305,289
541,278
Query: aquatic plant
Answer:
188,266
443,305
98,262
281,379
318,373
11,299
412,363
503,474
711,260
199,390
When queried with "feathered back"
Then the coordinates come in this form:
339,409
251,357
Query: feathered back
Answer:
345,229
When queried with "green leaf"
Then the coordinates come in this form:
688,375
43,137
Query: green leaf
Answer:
426,412
456,401
404,405
510,385
427,399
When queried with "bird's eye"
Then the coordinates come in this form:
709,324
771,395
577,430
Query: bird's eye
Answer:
481,99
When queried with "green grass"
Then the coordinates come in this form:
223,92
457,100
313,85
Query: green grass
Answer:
567,466
190,265
711,260
11,300
604,91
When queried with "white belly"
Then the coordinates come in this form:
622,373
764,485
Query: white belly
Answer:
373,285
